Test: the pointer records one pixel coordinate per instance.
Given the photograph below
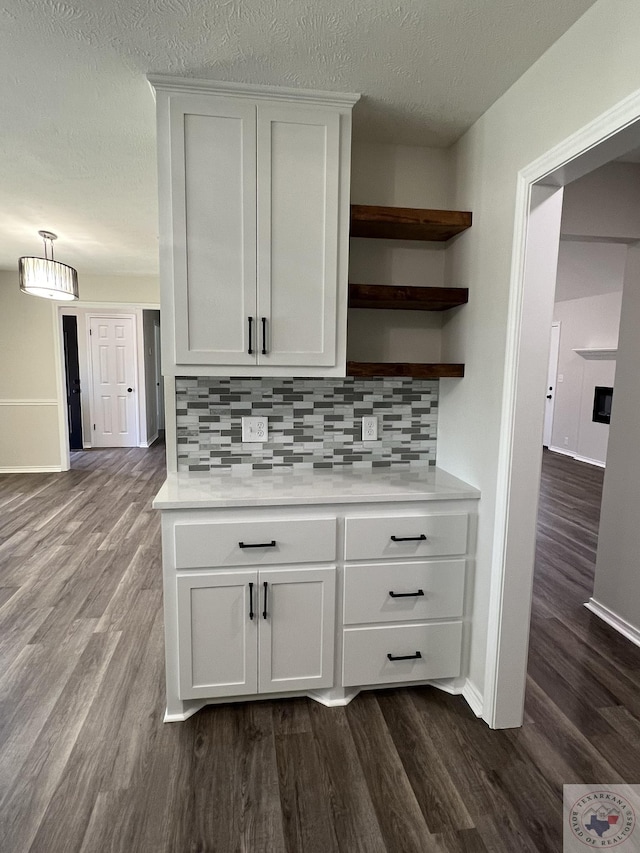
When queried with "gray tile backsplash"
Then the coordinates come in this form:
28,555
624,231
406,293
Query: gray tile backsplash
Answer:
313,423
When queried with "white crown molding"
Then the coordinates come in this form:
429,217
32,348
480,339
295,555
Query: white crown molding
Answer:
196,86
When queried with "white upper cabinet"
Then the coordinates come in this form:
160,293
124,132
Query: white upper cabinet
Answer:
254,223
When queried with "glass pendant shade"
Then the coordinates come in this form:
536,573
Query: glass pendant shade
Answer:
46,277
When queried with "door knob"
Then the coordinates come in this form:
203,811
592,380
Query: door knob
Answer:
129,390
548,396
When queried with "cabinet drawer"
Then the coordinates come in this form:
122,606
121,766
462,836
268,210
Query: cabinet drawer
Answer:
251,543
366,650
421,591
405,536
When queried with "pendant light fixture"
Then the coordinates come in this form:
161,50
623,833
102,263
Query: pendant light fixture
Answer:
46,277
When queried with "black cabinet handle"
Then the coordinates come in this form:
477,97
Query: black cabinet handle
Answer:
250,321
250,600
264,612
264,336
420,538
406,594
271,544
417,656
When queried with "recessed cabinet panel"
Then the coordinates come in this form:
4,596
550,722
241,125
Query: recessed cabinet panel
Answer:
402,592
298,175
216,635
396,653
297,635
402,536
213,166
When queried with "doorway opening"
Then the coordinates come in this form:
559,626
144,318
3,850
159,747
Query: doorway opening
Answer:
530,313
110,376
72,381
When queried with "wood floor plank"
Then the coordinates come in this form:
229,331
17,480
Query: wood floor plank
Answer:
353,815
400,818
26,804
425,767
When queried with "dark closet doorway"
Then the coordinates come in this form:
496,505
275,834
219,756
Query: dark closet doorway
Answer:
72,378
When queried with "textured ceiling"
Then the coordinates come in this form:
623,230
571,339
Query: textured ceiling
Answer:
77,127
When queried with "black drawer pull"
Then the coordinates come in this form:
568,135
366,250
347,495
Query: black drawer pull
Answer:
420,538
271,544
264,336
264,612
417,656
251,601
405,594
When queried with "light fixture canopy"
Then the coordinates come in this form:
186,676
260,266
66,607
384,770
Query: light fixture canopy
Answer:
47,277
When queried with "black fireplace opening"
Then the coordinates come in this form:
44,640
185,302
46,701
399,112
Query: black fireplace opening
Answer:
602,405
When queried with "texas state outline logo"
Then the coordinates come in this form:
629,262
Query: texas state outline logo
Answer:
600,818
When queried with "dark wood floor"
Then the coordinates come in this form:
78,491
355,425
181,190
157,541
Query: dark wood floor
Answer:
86,765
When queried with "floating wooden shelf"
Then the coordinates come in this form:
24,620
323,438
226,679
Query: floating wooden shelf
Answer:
406,298
415,370
407,223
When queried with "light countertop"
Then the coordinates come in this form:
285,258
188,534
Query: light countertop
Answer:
292,487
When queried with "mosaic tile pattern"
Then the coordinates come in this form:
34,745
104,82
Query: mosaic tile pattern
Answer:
313,423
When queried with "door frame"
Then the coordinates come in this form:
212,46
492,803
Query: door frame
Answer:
57,310
609,136
140,402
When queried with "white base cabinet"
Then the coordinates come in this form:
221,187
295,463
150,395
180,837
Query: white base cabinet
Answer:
321,600
248,632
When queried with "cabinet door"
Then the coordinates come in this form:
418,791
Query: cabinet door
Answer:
217,639
298,176
296,638
213,196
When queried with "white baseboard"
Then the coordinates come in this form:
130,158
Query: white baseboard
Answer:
149,442
473,698
577,456
31,469
616,622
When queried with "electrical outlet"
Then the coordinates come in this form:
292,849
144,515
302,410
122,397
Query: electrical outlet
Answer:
255,429
369,428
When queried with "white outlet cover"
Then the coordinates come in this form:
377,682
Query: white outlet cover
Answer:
255,430
369,428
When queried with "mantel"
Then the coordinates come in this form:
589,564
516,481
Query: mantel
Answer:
601,353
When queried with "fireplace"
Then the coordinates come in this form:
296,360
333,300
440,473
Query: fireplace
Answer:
602,404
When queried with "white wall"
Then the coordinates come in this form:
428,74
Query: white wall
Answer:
588,322
604,203
591,68
400,176
617,581
31,399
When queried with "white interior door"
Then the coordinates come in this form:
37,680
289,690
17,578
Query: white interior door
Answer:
114,393
552,377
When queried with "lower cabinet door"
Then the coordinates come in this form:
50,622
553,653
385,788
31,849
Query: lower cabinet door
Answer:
217,636
296,634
